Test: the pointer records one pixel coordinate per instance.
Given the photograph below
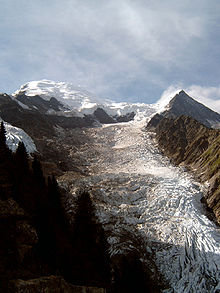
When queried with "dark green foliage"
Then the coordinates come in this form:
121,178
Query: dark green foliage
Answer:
2,135
21,158
24,184
92,263
54,246
37,172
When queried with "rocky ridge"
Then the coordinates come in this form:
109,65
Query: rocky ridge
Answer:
189,143
182,104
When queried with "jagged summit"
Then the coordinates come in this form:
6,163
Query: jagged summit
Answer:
183,104
182,96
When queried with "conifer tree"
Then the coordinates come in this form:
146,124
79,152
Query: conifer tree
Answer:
21,158
2,135
37,172
91,261
5,152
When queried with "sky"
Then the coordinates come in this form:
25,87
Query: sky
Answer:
124,50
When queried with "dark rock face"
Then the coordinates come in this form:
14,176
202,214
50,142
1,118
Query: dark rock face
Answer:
37,103
125,118
185,141
102,116
182,104
154,121
33,122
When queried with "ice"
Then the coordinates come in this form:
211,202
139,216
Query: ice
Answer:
137,190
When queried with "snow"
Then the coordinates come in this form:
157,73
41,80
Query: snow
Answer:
77,99
137,190
14,135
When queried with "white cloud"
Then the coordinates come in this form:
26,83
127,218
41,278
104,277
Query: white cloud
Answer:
104,45
209,96
167,95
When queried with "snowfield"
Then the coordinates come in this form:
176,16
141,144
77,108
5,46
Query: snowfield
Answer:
14,135
137,191
79,101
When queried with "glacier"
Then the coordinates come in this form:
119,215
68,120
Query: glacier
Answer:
137,190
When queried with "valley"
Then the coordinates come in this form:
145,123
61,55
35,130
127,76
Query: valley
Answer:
138,192
154,213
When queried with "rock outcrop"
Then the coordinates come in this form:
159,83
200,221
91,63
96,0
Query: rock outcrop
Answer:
187,142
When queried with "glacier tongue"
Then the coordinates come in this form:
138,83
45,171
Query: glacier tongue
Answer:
137,190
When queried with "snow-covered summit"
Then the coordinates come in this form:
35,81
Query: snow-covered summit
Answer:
71,96
75,98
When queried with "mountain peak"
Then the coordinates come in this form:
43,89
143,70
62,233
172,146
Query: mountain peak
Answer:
182,95
182,92
183,104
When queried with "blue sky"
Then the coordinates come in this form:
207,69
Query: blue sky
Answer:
124,50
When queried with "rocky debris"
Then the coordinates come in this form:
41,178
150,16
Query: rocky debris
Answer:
50,284
187,142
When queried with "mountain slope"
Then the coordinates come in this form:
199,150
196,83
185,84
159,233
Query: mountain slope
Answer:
187,142
182,104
